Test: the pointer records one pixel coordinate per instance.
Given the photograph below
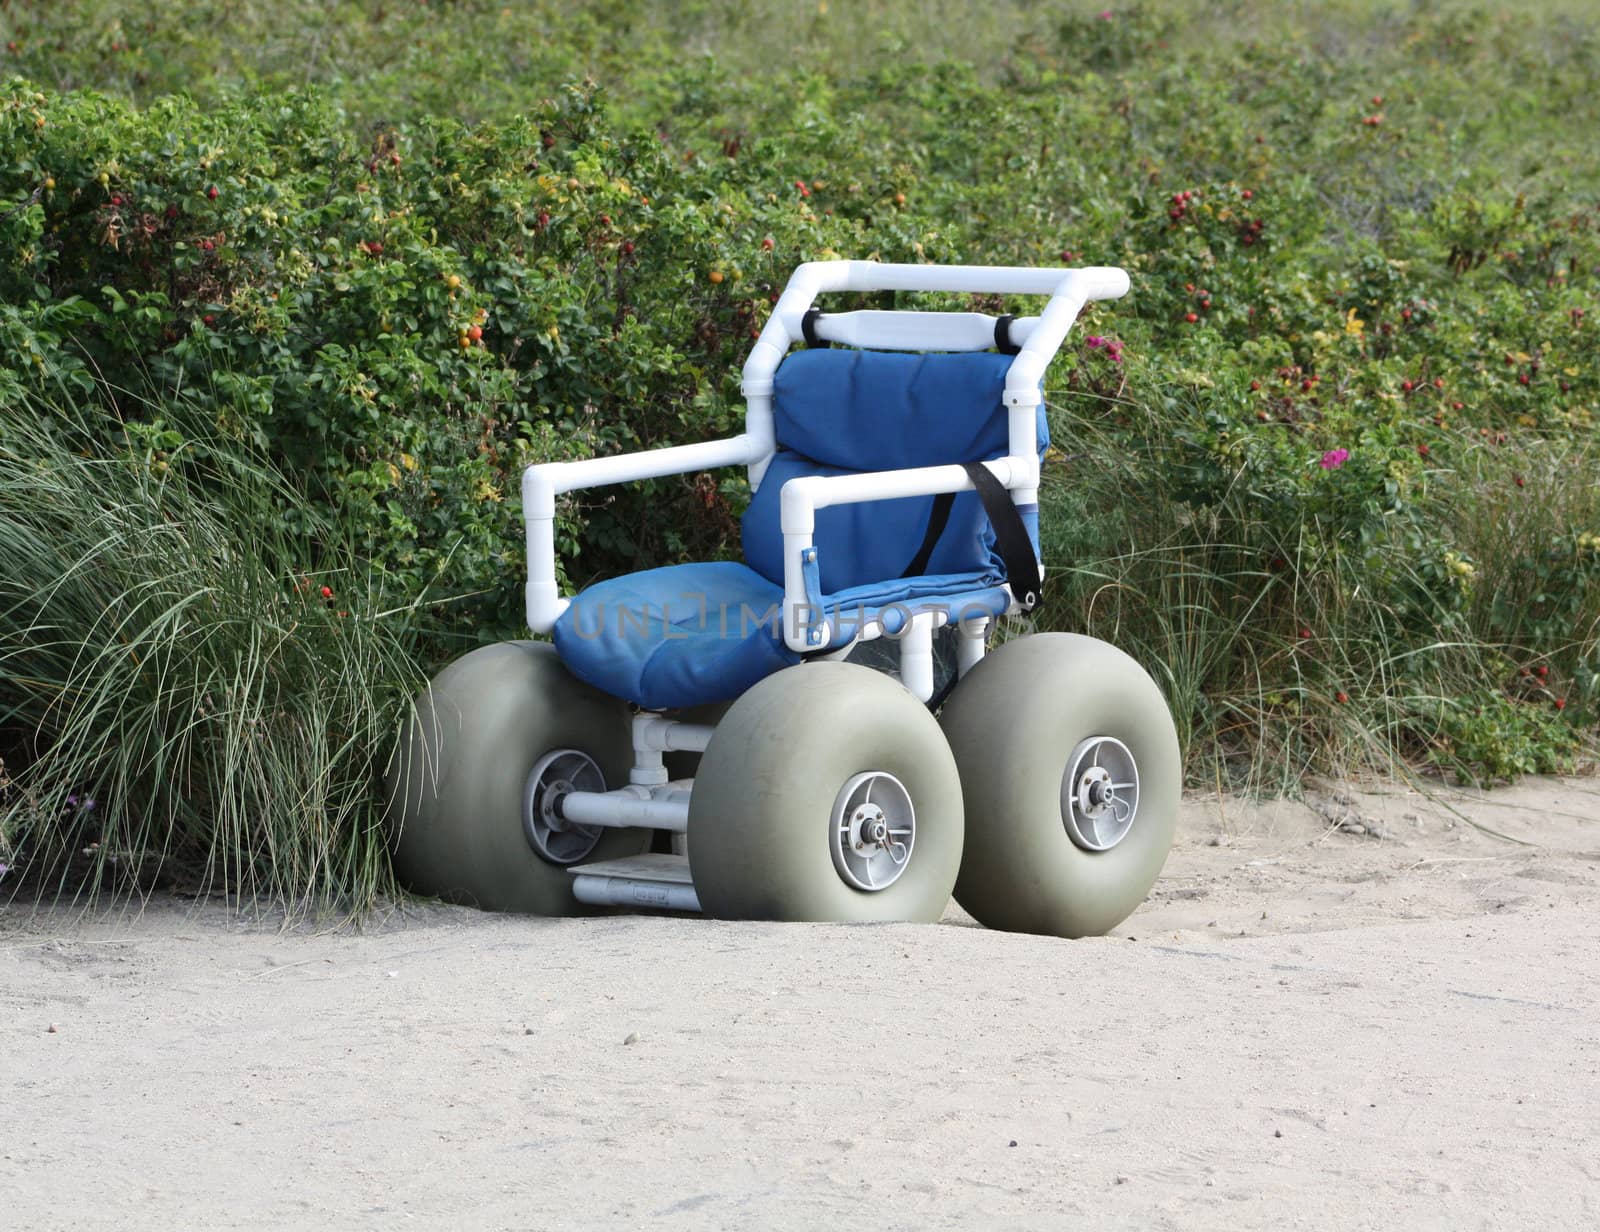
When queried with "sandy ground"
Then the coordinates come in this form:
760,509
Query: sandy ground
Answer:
1359,1012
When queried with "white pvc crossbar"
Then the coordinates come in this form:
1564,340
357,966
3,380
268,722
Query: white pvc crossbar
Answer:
669,811
1069,290
875,329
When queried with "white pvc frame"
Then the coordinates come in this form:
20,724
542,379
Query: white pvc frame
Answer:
649,798
1040,338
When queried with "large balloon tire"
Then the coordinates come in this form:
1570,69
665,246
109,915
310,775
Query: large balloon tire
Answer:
455,786
1013,723
765,795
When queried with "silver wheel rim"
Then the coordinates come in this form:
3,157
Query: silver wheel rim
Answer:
552,777
1100,793
873,830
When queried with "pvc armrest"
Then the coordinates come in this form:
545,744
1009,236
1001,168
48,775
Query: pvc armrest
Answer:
643,464
803,495
542,482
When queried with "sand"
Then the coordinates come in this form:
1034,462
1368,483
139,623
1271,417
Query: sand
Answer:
1355,1012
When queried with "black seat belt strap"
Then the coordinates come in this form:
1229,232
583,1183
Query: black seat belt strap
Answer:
1010,535
938,519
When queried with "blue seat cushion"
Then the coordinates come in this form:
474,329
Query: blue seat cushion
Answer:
686,635
679,636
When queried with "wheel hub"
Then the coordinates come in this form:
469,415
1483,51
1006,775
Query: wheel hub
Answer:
1100,793
552,836
873,830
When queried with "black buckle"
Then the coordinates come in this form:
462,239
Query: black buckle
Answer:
808,327
1002,335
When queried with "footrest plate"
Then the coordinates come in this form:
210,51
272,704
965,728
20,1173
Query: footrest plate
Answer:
654,880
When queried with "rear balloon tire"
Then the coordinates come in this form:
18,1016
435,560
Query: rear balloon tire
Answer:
457,782
802,767
1045,730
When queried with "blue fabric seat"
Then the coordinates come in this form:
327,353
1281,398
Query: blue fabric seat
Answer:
690,634
685,635
679,636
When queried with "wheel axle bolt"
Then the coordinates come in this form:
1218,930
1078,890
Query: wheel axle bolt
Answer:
873,827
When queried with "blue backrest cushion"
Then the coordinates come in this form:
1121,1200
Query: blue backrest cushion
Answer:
841,411
885,410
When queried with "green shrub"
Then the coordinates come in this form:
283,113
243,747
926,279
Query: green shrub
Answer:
404,330
1328,470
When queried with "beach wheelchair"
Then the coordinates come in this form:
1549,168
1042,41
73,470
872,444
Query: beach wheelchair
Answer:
821,731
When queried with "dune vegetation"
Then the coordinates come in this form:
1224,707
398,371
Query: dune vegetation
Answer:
290,292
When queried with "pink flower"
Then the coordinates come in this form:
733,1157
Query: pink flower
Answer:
1105,15
1113,348
1334,459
